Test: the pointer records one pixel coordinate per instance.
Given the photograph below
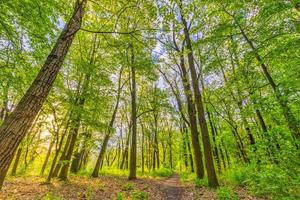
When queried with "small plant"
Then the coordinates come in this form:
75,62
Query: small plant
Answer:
127,186
225,193
50,196
89,193
146,186
200,182
162,172
140,195
102,187
119,196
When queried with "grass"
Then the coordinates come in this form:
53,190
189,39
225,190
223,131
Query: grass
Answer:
226,193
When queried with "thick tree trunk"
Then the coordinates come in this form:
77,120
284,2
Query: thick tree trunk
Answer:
132,169
15,127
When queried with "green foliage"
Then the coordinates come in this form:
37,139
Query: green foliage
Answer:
139,195
50,196
237,176
162,172
102,187
200,182
274,182
89,193
128,186
225,193
186,176
269,180
120,196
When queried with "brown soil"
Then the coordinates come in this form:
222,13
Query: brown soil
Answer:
106,187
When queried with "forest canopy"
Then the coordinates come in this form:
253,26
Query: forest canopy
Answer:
177,95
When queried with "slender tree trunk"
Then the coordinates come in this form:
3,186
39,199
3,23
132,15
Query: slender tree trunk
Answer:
156,148
143,147
125,152
193,120
47,157
63,155
184,145
111,124
17,160
290,118
15,127
216,152
58,149
132,169
75,125
170,150
210,169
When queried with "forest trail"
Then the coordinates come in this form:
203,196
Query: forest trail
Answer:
172,188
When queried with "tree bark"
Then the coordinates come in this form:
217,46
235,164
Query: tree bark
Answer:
15,127
47,157
132,169
210,169
193,120
16,163
287,113
107,136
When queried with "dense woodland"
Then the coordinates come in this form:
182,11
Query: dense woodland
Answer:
207,92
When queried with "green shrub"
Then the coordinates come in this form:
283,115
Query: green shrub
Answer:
238,176
274,182
225,193
119,196
200,182
162,172
140,195
186,176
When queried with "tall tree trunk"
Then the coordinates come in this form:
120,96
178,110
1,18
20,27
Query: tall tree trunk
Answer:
15,127
75,125
58,147
125,152
210,169
63,155
132,169
47,156
111,124
17,160
290,118
170,150
143,147
216,152
156,148
193,120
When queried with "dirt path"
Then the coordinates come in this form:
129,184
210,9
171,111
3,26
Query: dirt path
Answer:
171,188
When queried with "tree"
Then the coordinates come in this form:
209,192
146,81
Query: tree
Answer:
14,128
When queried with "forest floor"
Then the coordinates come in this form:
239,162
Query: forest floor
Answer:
109,187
